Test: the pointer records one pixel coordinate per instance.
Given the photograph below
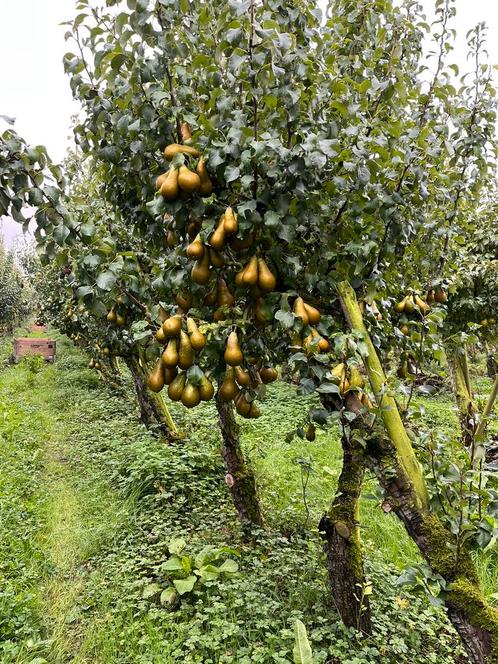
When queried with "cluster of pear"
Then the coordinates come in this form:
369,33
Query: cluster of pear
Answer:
437,295
94,364
349,377
408,305
238,382
179,350
310,316
115,318
183,180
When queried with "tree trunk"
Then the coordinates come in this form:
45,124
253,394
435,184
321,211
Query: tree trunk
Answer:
473,618
339,527
240,477
462,389
153,411
404,486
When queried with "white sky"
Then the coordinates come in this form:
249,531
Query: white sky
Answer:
35,91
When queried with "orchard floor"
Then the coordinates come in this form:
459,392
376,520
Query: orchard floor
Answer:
89,501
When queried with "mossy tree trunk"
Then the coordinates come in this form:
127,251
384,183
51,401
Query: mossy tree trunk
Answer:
153,410
339,527
240,476
462,389
404,487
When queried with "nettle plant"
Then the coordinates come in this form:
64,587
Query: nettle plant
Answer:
299,164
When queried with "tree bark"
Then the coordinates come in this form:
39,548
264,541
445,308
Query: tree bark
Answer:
240,476
339,527
462,389
153,410
473,618
405,490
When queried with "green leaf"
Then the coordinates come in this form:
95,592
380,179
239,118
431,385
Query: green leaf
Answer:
151,590
106,280
176,545
301,652
231,173
229,567
172,564
184,586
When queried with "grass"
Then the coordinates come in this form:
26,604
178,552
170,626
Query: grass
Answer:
91,499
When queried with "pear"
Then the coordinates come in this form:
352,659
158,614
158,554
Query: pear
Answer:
228,389
185,132
240,245
171,239
423,306
172,326
206,188
188,181
184,300
266,279
170,373
440,296
200,271
254,411
233,354
268,375
185,352
230,222
111,316
405,329
120,320
206,388
250,276
239,278
160,336
300,311
190,396
224,297
155,381
163,314
197,339
160,180
169,187
410,305
399,307
338,372
171,150
170,355
242,377
215,258
91,364
314,315
242,406
356,380
176,386
430,297
218,238
196,249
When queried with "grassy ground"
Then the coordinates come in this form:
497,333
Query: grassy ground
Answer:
89,501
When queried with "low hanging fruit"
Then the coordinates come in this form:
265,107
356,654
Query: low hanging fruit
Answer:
440,295
176,386
206,388
242,377
188,181
233,354
300,311
266,279
175,148
111,316
196,249
230,222
217,239
200,270
170,355
228,388
185,352
172,326
190,396
170,187
155,381
268,375
197,339
206,188
185,132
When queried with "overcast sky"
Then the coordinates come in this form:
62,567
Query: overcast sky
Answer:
35,91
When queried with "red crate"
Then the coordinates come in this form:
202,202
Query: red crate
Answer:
31,346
